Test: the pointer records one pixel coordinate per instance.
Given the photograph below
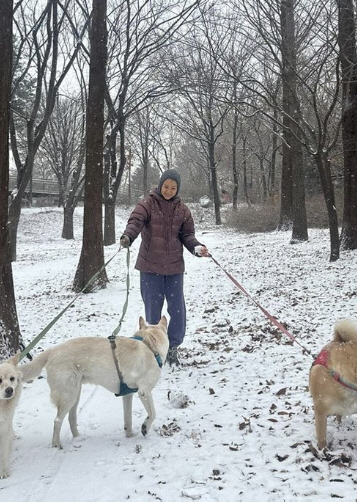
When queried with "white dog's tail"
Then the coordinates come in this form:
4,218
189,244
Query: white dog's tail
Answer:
345,330
33,369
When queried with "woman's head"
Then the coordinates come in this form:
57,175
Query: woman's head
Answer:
169,183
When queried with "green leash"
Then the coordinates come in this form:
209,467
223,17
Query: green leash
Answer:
125,306
91,280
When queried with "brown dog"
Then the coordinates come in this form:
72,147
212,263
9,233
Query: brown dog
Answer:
333,378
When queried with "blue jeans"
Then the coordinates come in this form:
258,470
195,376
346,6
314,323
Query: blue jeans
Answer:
155,288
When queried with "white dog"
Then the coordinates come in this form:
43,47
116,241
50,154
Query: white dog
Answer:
91,360
10,391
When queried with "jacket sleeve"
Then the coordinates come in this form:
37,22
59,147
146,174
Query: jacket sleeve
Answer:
137,220
187,234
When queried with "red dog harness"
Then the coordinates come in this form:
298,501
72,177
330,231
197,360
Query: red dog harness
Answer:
322,361
321,358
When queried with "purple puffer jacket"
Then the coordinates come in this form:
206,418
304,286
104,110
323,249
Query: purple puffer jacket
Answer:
166,226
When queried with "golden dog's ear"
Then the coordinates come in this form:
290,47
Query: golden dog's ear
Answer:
163,321
142,323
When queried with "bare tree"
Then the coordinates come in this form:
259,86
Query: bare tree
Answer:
61,145
307,115
274,23
92,255
153,141
234,141
76,181
292,148
76,186
163,138
201,103
144,136
40,43
138,31
319,89
9,326
191,161
233,52
63,149
347,43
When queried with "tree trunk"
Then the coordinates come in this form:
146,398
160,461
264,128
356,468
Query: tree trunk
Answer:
92,255
114,181
109,221
14,219
71,202
16,202
67,229
293,170
213,171
110,188
145,154
347,43
286,211
299,231
272,175
245,176
9,326
234,161
324,169
263,181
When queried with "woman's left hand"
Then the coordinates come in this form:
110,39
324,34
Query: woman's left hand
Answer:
201,251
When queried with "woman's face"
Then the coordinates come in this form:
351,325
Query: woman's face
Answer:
169,189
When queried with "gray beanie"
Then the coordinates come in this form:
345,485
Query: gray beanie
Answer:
170,174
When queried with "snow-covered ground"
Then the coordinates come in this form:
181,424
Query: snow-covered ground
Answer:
235,423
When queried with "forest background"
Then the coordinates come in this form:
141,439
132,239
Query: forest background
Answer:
253,102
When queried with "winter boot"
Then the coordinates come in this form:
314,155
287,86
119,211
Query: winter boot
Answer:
172,358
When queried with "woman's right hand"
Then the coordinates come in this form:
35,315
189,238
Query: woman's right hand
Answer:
125,241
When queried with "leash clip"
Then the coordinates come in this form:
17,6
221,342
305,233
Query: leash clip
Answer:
112,339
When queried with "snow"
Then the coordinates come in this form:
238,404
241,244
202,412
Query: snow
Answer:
235,422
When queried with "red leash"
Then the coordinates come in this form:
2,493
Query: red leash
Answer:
265,312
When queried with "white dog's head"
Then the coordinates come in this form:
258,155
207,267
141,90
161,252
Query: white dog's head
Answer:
10,378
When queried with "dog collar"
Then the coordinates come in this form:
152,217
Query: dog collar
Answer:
156,354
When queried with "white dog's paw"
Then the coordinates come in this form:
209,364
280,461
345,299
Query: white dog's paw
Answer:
4,474
57,444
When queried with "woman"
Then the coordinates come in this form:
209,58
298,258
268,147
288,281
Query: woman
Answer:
166,225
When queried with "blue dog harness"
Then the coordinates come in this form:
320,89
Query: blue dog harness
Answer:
123,388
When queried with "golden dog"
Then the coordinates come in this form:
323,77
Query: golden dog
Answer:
333,378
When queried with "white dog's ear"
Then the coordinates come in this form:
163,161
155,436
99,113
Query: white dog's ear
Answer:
163,321
14,359
142,323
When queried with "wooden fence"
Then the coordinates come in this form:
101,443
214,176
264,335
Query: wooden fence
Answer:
37,188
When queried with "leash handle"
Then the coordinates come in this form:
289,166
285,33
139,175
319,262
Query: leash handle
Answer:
265,312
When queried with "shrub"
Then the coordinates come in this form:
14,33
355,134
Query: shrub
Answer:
265,218
252,219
